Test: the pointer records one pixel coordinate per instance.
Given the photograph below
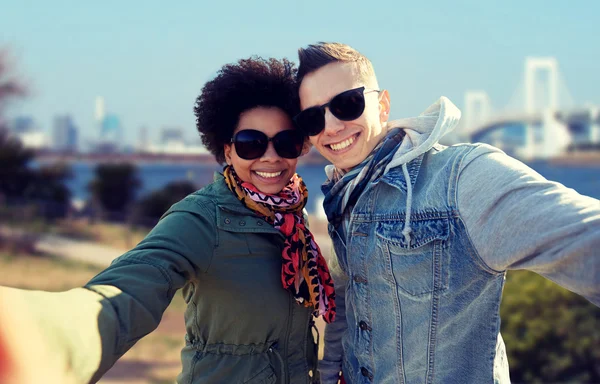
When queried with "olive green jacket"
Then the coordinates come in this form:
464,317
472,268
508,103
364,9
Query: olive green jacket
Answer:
241,325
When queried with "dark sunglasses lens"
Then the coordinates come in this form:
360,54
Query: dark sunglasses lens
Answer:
311,121
348,105
250,144
288,144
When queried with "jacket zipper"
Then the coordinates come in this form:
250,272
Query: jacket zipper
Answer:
315,365
287,334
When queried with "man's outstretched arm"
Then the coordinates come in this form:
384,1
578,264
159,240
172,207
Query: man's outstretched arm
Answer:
516,219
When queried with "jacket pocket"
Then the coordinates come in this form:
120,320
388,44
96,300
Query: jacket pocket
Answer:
217,368
265,376
417,267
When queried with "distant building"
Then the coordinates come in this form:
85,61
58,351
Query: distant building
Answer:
64,134
143,142
25,128
99,109
172,142
34,140
111,129
110,138
23,124
172,136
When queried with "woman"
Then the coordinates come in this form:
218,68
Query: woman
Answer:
251,273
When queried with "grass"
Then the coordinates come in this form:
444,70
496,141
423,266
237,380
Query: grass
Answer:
47,273
117,235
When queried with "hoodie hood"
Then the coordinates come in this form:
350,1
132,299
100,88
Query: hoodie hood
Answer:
424,131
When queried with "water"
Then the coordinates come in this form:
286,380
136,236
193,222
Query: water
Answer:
156,175
584,179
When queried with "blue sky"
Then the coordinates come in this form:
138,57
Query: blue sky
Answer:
149,60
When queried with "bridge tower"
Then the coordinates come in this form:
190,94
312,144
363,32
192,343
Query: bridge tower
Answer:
477,108
594,125
533,67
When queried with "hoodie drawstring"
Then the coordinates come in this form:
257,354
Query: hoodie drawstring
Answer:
407,229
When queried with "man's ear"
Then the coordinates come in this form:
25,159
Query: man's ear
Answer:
306,147
384,106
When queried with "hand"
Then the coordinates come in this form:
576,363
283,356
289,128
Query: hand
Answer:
24,356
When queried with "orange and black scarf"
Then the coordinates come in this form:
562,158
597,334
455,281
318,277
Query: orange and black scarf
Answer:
304,271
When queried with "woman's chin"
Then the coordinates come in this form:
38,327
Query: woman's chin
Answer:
271,185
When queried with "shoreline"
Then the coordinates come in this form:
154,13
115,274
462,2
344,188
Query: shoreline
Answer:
579,158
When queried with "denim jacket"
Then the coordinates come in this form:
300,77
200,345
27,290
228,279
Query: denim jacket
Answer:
426,309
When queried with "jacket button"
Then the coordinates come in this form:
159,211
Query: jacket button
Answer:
227,221
242,223
364,326
365,372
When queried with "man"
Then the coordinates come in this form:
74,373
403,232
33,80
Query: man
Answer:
424,233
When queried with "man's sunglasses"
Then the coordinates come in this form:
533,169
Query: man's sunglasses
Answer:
251,144
346,106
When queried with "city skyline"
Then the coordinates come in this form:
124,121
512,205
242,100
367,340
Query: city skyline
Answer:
150,63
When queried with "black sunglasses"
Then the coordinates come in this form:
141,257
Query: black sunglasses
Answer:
251,144
346,106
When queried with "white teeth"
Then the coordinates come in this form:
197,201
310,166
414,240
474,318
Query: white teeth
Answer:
342,145
268,174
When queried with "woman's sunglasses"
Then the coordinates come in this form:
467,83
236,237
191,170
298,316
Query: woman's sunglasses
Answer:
346,106
251,144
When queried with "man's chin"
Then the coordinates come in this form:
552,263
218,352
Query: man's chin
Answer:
344,162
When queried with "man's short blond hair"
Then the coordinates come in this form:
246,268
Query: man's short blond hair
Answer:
316,56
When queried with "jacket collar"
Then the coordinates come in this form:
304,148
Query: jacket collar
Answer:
229,206
395,176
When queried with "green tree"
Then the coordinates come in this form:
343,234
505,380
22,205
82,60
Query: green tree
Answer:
151,207
114,188
20,182
49,189
552,335
15,174
11,88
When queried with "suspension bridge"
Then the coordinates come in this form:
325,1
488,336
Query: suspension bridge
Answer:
540,121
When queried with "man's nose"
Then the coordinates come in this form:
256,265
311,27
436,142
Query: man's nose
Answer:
332,124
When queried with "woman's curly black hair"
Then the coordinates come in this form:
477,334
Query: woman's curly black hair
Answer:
238,87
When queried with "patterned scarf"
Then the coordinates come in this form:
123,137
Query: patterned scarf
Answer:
343,189
304,271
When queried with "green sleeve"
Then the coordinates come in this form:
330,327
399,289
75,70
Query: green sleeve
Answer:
139,285
90,328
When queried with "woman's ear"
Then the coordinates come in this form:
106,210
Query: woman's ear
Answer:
227,151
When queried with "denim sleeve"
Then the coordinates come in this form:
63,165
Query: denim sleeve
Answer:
516,219
331,365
